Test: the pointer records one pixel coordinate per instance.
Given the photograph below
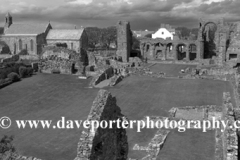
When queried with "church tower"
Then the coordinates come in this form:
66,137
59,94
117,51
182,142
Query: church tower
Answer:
8,20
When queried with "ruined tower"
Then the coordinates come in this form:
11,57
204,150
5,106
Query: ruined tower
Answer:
123,40
8,20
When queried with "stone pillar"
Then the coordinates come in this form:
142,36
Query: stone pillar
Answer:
142,50
187,53
165,52
200,50
152,52
175,52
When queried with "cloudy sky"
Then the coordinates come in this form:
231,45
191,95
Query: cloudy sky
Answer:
143,14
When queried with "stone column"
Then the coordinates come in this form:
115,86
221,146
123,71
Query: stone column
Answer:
165,52
200,50
187,53
152,52
175,52
142,50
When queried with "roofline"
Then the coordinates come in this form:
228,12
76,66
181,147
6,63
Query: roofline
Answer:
21,34
64,39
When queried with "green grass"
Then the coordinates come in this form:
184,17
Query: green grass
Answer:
52,96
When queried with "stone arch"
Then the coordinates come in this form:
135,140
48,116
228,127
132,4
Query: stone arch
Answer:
192,51
148,47
169,50
181,51
210,40
160,51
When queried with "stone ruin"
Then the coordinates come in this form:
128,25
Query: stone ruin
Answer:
226,147
124,38
104,144
63,60
217,43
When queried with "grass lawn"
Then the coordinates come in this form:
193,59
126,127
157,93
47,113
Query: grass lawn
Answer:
171,69
46,97
52,96
142,96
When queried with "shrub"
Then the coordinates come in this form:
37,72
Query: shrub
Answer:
23,52
5,82
14,77
6,144
23,72
29,71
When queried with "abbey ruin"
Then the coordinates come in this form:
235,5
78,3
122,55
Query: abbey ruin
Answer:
187,80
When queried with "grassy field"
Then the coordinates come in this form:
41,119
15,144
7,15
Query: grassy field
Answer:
52,96
144,96
47,97
171,69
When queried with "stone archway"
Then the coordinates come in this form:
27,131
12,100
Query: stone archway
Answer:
192,52
181,50
210,41
169,51
160,52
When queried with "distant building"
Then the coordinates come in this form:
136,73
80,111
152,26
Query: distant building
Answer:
24,36
142,34
74,39
34,37
164,32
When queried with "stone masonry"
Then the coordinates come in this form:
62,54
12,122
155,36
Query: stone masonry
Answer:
103,144
124,40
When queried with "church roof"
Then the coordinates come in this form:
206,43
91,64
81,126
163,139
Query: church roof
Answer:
22,29
65,34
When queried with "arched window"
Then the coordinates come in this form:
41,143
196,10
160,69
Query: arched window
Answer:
20,44
31,45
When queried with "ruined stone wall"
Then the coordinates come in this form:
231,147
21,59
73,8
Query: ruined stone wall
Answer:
106,74
103,144
230,139
71,44
123,40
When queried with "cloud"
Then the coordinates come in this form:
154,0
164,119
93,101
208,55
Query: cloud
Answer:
141,13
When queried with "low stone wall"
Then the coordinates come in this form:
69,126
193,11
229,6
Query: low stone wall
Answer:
106,74
29,57
115,80
230,139
99,143
16,156
202,112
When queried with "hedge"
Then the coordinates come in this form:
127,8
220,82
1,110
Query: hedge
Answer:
14,77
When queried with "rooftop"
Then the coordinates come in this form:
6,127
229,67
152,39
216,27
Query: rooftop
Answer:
26,29
65,34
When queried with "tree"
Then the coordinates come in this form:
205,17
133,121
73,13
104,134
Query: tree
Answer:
102,36
6,144
135,43
94,35
186,33
108,36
